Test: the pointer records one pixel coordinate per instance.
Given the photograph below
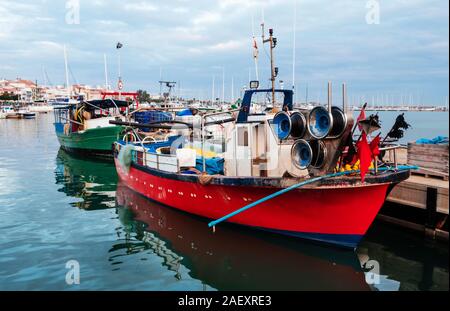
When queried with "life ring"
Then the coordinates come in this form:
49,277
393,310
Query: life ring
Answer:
129,135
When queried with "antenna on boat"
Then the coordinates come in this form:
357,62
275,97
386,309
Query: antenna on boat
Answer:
169,84
274,70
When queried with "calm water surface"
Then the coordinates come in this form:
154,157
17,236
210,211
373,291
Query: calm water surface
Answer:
55,207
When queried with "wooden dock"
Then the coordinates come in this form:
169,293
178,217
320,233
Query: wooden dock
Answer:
419,203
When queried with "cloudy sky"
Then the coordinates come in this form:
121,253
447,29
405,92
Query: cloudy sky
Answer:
405,55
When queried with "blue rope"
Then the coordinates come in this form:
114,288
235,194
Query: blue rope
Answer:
303,183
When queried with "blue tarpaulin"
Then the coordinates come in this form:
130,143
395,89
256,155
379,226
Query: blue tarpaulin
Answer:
213,165
434,141
185,112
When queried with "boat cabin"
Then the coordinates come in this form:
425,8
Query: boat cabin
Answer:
281,142
88,115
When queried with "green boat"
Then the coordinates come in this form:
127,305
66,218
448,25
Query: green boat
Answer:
84,128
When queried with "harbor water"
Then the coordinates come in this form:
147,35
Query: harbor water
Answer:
427,124
56,208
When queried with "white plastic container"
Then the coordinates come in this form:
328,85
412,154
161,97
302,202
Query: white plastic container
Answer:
186,157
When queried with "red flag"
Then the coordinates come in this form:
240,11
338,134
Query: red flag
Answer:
364,155
362,116
374,147
255,48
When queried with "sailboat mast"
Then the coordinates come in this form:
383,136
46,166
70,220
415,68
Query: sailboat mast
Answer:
212,91
306,95
223,85
66,66
106,71
44,76
160,79
232,90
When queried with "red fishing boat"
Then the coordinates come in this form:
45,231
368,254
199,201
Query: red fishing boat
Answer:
293,179
282,171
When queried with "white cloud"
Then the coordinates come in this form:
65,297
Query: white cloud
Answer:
206,18
48,45
228,45
109,23
140,7
180,10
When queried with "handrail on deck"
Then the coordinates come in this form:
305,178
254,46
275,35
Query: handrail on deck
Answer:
203,125
391,148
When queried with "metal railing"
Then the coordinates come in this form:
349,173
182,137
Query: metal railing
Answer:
203,134
151,157
392,150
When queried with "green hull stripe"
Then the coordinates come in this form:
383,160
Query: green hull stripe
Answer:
93,139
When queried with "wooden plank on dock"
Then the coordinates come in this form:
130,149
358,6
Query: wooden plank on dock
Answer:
429,156
429,173
413,192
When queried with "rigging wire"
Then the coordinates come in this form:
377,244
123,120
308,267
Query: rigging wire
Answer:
72,75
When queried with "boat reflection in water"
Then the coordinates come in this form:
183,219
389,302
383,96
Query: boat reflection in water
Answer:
93,182
235,258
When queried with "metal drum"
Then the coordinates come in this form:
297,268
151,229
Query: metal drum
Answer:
320,122
319,153
339,122
298,125
301,154
282,125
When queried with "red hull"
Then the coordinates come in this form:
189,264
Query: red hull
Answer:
339,215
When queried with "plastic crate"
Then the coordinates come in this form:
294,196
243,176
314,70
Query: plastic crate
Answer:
144,117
